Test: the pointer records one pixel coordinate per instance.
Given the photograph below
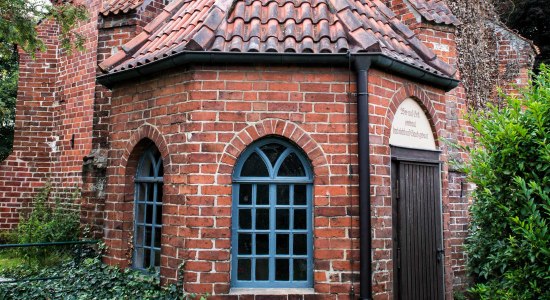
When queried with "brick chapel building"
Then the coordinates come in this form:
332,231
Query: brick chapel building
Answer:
259,147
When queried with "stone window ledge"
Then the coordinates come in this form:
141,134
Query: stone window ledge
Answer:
272,291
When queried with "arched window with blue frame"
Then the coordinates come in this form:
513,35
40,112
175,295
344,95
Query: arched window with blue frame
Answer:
272,243
148,210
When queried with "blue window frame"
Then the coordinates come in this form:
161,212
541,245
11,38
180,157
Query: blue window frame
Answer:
148,211
272,244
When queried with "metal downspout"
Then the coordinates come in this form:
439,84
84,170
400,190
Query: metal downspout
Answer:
362,65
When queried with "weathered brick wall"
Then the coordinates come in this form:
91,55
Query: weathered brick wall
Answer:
28,167
515,56
202,118
73,122
114,30
53,119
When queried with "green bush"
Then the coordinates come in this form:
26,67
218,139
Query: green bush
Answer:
509,242
92,279
50,221
47,221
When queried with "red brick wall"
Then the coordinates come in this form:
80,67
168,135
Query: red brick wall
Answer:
516,57
54,103
402,9
201,119
28,166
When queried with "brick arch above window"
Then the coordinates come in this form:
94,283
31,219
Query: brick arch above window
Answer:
271,127
419,95
150,132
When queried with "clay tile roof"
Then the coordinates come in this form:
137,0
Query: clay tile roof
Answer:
278,26
435,11
119,6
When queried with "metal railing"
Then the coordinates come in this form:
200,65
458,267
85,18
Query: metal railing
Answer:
79,245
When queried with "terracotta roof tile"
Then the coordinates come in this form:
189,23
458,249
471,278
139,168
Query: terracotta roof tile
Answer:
119,6
435,11
279,26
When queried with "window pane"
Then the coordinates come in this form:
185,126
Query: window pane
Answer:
149,214
283,194
282,219
243,269
148,236
245,194
273,151
281,269
300,244
254,167
300,269
282,243
140,193
262,269
262,219
146,166
157,258
140,218
245,243
146,258
151,170
150,192
159,215
157,237
245,219
139,235
159,192
300,195
292,167
262,244
262,195
161,169
300,219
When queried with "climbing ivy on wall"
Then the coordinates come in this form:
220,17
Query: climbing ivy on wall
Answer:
476,45
478,59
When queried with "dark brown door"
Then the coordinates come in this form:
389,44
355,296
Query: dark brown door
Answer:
418,251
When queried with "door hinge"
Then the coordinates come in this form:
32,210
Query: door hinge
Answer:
440,253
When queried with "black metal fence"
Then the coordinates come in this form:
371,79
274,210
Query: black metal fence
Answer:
78,255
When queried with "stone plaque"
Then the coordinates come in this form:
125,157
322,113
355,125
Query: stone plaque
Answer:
411,128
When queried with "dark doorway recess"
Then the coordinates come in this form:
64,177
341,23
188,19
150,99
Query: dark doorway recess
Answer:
418,247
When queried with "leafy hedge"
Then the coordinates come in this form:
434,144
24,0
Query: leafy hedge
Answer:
48,220
509,242
91,279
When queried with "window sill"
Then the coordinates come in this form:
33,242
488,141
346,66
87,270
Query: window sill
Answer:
271,291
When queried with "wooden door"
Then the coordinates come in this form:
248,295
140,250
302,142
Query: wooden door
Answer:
418,253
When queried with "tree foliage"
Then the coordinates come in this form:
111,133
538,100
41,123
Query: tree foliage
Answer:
8,94
509,242
530,19
19,18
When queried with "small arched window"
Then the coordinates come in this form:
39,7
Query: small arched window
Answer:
148,210
272,217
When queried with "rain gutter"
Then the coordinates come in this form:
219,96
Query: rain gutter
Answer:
362,63
379,61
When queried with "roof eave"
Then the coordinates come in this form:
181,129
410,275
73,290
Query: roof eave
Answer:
378,60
